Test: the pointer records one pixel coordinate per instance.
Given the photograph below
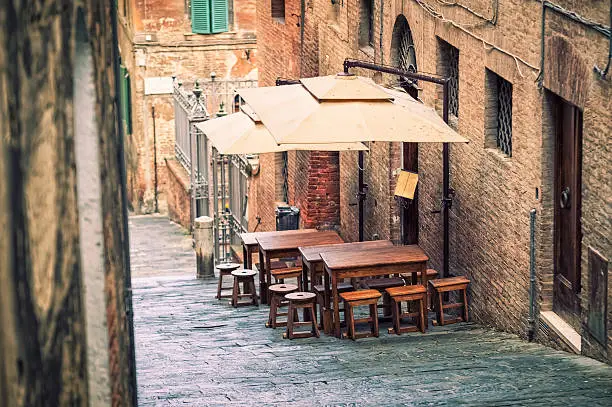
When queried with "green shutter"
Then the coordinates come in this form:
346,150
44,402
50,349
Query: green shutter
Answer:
126,99
219,15
200,16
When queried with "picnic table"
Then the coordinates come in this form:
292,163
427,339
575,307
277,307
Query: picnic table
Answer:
370,262
312,262
286,245
250,244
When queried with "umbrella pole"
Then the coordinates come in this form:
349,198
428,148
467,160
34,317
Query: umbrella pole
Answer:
446,200
361,195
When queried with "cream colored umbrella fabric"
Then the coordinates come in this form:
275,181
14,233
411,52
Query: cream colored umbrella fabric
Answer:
340,109
238,133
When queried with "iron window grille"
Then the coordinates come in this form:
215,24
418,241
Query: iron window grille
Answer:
366,23
504,116
453,74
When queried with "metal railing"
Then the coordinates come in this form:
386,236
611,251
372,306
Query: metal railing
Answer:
227,200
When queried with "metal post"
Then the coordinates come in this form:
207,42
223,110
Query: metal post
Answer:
532,275
155,159
361,195
224,223
446,199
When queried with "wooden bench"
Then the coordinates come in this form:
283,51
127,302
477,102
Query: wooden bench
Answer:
444,285
289,272
301,300
359,298
412,293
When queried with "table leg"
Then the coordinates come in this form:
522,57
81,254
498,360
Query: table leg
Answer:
327,318
245,255
263,288
304,276
334,293
268,269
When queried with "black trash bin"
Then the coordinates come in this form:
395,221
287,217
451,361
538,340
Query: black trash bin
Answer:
287,218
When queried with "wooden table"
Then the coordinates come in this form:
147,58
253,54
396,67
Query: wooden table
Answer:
277,246
312,262
368,263
250,244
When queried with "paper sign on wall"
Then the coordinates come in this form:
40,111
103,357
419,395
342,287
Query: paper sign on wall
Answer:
159,85
406,184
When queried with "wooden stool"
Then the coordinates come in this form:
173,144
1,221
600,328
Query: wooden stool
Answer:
247,278
300,300
408,294
356,298
278,292
430,274
326,314
291,272
381,284
225,269
443,285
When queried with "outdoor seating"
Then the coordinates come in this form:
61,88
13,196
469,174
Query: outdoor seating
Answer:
319,290
445,285
277,293
430,274
289,272
247,278
381,284
361,298
225,269
409,294
305,301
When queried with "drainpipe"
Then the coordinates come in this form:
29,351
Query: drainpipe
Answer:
382,5
302,23
154,159
532,275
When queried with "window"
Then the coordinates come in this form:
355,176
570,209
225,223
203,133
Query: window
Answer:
498,120
449,67
126,99
366,23
209,16
278,10
281,187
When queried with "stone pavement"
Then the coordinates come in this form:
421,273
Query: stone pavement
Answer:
192,350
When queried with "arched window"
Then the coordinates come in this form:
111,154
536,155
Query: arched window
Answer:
403,54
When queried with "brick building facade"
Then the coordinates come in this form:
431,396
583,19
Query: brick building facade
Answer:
161,39
518,93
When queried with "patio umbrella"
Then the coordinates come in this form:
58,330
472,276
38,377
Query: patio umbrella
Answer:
242,133
345,108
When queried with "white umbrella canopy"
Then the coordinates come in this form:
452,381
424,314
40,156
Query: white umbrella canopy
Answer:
345,108
239,133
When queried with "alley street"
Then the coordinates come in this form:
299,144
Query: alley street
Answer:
193,350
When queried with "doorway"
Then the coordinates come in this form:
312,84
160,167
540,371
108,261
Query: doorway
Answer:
567,209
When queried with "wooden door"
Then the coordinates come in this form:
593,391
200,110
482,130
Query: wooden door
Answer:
567,201
410,214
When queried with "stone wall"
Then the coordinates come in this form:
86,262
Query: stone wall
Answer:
156,41
489,219
48,347
178,193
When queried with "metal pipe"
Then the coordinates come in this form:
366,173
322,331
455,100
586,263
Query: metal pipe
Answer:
302,23
154,159
361,195
604,73
127,295
355,63
446,199
224,224
532,275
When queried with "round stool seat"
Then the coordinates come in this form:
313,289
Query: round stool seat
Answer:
244,273
283,288
301,296
227,266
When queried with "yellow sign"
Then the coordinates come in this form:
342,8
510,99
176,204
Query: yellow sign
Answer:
406,184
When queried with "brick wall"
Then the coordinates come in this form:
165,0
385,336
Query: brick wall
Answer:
489,219
178,193
173,50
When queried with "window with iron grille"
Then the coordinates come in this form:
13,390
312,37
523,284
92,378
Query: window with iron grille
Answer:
366,23
278,10
498,113
448,66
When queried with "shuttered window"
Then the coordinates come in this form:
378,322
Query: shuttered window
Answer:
209,16
278,10
126,99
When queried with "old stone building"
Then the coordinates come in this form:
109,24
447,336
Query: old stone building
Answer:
65,297
186,39
530,89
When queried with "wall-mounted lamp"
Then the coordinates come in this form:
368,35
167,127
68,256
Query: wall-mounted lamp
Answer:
299,19
247,54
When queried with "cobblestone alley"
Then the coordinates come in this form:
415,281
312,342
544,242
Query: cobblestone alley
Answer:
193,350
